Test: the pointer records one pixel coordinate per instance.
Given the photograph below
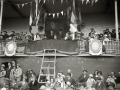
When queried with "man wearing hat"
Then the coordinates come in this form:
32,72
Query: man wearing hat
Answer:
18,73
90,82
5,35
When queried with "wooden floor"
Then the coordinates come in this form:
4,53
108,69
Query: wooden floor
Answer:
60,54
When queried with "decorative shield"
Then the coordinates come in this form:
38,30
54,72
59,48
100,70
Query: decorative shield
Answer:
95,47
10,48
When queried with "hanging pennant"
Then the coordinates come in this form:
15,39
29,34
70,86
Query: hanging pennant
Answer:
53,2
62,13
44,1
57,14
18,6
92,2
96,1
53,15
66,1
87,1
82,1
61,1
22,5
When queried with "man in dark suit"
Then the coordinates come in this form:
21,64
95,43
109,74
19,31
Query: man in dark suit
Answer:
8,70
60,34
83,78
100,84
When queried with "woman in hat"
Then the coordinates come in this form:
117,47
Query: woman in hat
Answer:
18,73
90,82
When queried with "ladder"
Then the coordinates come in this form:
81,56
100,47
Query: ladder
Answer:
49,66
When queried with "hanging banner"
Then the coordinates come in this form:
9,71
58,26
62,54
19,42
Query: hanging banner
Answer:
96,1
82,1
53,2
44,1
57,14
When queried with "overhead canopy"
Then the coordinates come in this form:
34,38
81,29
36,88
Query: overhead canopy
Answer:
102,6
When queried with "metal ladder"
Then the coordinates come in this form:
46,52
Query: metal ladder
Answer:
46,65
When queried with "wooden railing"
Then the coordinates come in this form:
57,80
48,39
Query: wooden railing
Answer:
110,46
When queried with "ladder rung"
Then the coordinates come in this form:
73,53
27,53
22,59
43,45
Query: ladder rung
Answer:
46,75
48,61
49,49
47,67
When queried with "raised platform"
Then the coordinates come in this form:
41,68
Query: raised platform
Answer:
62,55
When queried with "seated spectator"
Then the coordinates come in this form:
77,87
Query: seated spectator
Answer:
71,80
101,37
5,35
48,86
60,35
12,34
90,82
92,33
113,34
51,35
79,35
107,32
106,39
68,36
83,78
99,84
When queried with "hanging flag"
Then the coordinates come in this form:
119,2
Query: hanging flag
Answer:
57,14
73,15
53,15
80,17
31,15
18,6
61,1
62,13
36,7
22,5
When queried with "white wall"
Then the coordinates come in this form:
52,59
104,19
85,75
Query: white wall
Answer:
97,21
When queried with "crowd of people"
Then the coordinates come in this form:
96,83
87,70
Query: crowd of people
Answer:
12,78
61,35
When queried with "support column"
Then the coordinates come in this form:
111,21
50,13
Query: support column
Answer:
1,13
116,20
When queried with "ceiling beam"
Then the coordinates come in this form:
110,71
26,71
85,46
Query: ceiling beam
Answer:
16,9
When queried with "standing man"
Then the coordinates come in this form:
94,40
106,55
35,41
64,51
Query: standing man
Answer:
8,70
